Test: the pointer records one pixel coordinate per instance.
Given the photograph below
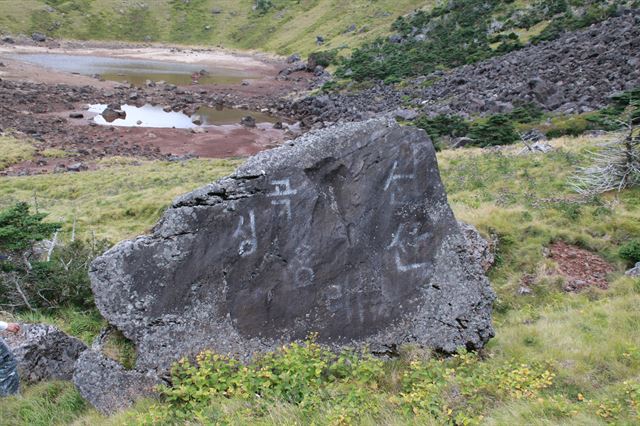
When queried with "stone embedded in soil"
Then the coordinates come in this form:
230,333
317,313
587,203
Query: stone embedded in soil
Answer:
345,232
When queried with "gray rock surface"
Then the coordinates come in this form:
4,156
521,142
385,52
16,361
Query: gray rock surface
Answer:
108,386
634,272
345,232
9,379
479,248
39,37
43,352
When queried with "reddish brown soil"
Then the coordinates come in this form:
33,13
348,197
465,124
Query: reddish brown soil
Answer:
581,268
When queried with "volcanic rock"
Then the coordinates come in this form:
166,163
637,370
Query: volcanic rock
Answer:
345,232
110,114
634,272
38,37
44,352
478,247
108,386
248,121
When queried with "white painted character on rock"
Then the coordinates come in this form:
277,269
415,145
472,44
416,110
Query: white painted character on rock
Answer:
9,381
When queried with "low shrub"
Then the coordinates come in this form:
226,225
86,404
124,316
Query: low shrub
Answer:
631,252
443,125
323,58
313,378
498,129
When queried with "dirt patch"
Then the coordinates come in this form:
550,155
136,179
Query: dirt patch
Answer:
581,268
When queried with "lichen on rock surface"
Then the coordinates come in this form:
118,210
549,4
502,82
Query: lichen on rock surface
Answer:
345,232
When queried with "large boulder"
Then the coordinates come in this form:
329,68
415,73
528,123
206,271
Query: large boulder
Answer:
108,386
43,352
345,232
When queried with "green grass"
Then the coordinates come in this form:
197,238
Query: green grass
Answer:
590,341
114,202
286,28
14,151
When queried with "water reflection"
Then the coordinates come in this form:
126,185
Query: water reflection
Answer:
155,116
135,71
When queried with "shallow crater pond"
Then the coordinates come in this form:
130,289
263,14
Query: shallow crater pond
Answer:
156,116
135,71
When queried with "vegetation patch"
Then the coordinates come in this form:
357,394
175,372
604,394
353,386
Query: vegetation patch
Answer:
114,202
460,32
13,151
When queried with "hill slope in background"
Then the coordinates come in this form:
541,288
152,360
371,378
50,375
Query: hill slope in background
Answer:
284,27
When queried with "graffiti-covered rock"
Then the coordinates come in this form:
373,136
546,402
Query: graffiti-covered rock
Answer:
345,232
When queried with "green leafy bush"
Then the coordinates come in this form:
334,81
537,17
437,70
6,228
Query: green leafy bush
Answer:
495,130
34,283
527,113
263,6
443,125
457,35
323,58
313,378
631,252
303,374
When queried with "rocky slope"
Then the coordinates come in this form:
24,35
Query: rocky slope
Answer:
573,74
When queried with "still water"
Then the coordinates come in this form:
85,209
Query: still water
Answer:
155,116
135,71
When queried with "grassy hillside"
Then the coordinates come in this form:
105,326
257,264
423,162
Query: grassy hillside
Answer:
129,201
557,358
286,27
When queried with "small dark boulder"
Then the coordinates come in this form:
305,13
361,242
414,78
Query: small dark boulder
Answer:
77,167
76,115
248,121
110,115
38,37
294,58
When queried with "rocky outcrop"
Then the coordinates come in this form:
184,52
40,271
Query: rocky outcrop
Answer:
43,352
108,386
345,232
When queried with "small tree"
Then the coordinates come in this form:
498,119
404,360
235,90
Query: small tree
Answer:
617,165
262,6
19,230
